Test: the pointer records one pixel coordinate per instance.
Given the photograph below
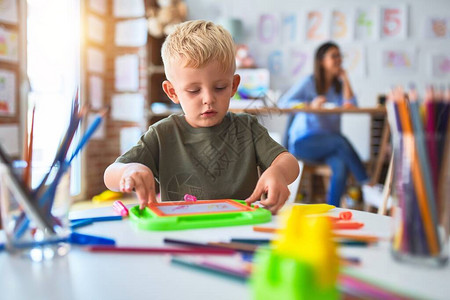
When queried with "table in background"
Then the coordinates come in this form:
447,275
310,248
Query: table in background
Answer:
381,110
378,147
85,275
379,139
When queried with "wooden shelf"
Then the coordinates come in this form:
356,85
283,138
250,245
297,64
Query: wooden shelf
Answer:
155,69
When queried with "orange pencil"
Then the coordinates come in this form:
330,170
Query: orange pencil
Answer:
409,146
29,153
353,237
265,229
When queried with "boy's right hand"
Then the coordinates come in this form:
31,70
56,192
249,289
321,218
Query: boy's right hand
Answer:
139,178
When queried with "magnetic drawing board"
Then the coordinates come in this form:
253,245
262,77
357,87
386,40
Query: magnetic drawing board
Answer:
199,214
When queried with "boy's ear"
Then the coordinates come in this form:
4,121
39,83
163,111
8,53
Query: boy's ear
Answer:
236,81
170,91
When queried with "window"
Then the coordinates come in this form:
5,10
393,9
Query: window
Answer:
53,69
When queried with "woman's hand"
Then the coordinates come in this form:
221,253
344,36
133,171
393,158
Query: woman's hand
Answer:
343,76
348,104
318,101
347,91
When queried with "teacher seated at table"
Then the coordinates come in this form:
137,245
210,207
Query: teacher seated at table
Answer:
316,138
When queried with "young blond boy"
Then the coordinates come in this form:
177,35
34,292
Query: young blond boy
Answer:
206,152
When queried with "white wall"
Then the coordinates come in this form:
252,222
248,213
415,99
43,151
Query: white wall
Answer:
366,87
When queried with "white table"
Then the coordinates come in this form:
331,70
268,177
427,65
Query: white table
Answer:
84,275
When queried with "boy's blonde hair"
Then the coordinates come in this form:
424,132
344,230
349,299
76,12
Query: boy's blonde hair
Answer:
196,43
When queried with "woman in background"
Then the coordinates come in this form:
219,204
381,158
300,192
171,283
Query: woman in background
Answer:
317,138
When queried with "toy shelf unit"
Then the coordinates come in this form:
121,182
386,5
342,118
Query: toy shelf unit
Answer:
160,106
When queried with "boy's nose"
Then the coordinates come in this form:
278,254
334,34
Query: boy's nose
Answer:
208,97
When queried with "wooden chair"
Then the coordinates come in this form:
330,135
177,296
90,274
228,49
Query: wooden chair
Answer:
307,171
379,198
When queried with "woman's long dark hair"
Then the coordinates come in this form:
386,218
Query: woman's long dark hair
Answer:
319,72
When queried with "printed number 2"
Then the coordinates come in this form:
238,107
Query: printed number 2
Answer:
315,21
392,23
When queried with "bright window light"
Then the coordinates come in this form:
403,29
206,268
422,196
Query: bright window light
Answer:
53,67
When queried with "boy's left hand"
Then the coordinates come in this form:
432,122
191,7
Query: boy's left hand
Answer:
274,186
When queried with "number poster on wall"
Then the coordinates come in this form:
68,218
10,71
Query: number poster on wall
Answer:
288,39
394,22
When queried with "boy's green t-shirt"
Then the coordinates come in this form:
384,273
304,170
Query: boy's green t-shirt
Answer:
210,162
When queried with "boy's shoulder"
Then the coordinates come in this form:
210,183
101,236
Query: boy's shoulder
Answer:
167,123
243,117
245,121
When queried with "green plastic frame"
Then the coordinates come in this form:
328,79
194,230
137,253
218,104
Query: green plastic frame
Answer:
148,220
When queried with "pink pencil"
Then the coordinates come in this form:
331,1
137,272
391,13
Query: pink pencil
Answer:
160,250
364,289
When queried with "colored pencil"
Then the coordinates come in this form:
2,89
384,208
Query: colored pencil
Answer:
99,219
80,223
356,237
160,250
347,225
424,203
212,269
89,132
29,153
251,241
190,243
242,247
365,290
265,229
430,129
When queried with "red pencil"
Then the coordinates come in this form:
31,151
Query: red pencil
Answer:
160,250
347,225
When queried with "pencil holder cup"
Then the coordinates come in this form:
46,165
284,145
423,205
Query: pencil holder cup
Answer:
420,206
35,224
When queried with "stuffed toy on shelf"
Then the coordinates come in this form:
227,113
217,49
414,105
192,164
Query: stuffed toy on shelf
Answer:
163,18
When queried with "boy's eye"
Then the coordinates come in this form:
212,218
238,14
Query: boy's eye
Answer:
193,91
221,87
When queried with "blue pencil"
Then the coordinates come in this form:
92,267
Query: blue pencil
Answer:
49,195
98,219
80,223
88,133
